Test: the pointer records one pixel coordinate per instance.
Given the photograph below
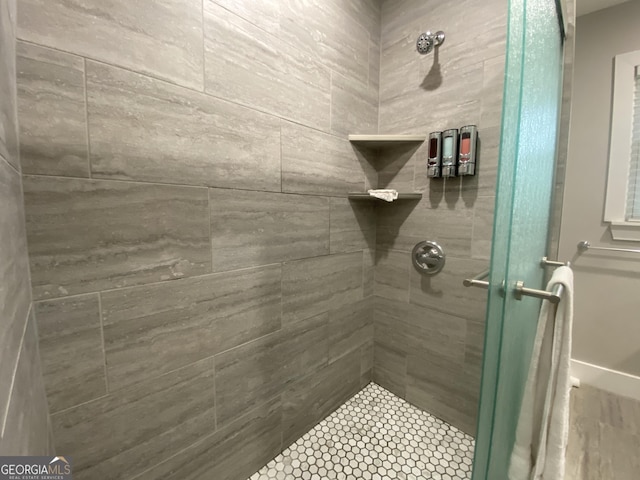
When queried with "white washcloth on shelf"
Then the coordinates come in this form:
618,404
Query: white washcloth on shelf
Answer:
384,194
543,426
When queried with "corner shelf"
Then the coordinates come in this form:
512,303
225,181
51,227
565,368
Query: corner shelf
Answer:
374,143
401,196
379,141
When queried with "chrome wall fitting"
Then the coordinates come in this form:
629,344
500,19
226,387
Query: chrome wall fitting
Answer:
428,41
428,258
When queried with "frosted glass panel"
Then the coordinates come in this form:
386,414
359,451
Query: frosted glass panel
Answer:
523,205
633,192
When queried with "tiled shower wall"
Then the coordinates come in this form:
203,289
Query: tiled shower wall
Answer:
203,287
24,417
429,331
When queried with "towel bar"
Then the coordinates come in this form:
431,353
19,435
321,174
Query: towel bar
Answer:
477,280
584,245
553,296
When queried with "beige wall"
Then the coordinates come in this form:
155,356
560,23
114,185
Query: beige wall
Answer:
607,301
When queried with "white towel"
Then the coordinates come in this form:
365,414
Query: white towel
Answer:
384,194
543,426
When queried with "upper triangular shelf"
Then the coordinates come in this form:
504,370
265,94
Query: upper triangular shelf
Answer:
378,141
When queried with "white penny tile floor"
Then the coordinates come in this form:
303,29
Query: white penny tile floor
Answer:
374,436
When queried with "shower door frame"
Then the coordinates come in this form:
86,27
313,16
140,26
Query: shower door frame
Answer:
489,461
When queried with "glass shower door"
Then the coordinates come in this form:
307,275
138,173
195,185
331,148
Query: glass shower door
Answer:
523,204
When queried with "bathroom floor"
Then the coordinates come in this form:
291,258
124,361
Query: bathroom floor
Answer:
373,436
604,436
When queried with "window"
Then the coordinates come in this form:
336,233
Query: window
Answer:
633,189
622,207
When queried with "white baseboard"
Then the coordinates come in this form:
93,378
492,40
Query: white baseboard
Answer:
610,380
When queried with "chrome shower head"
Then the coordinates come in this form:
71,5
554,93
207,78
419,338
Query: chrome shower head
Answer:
427,41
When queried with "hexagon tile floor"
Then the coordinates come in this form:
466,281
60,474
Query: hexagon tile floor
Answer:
375,436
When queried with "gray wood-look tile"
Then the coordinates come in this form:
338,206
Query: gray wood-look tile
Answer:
444,292
248,374
492,88
392,274
350,327
247,65
132,429
332,32
8,120
396,167
162,39
453,399
15,294
316,285
315,396
71,350
26,431
448,224
482,227
234,452
391,360
153,329
390,323
88,235
453,102
390,369
399,225
354,106
436,335
265,14
474,343
353,225
51,87
374,66
258,228
317,163
145,129
424,356
604,436
328,33
366,360
365,13
368,272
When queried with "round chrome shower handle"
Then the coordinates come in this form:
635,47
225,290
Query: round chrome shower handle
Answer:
428,258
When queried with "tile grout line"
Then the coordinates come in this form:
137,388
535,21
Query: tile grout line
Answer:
205,437
191,89
5,414
167,282
204,56
281,171
104,348
161,184
215,395
132,385
2,159
210,230
86,116
331,73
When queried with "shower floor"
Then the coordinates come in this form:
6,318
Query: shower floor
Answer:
374,436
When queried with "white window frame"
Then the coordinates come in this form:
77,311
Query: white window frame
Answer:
620,148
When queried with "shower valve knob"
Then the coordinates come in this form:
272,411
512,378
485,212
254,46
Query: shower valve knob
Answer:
428,258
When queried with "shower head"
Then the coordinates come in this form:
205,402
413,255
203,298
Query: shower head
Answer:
427,41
